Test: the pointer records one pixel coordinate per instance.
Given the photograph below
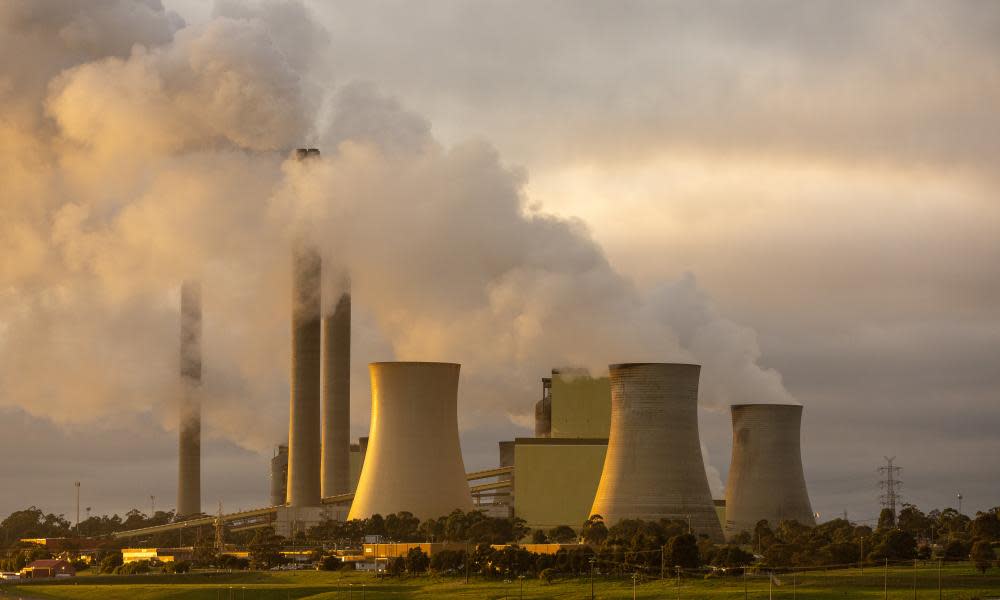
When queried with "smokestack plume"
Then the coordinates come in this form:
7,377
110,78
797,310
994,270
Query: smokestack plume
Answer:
414,460
654,468
766,480
189,449
336,393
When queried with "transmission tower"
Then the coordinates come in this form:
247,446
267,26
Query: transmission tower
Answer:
890,486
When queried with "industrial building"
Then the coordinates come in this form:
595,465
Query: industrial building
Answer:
654,467
766,479
556,472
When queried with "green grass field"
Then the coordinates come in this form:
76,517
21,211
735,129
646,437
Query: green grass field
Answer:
960,583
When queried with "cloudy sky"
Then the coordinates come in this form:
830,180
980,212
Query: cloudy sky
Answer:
801,196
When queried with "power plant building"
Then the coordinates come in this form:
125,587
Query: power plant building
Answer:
279,476
414,459
555,479
766,480
581,404
654,467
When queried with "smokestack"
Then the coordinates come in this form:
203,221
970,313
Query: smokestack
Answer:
304,410
413,461
654,469
543,410
279,476
336,392
189,449
765,477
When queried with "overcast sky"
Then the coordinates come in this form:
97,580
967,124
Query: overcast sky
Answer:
826,172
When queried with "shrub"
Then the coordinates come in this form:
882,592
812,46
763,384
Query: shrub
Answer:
547,575
331,563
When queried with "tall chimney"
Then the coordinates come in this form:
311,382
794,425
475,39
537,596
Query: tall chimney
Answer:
304,406
189,454
336,392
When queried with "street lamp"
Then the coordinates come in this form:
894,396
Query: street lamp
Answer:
520,594
592,561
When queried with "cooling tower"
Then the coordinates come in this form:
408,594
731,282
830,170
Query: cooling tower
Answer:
189,449
279,476
336,393
543,410
654,469
765,477
413,461
304,409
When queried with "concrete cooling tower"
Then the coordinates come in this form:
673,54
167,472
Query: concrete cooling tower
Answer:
189,449
654,469
414,461
765,477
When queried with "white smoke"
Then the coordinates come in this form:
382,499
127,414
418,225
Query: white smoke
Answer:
139,152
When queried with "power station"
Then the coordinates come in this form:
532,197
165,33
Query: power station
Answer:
766,479
625,446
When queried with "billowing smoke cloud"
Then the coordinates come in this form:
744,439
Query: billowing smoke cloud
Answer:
141,152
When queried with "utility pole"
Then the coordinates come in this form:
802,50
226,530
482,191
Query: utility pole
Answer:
885,579
890,486
592,561
861,558
152,506
960,503
914,579
939,579
634,577
746,593
663,560
77,485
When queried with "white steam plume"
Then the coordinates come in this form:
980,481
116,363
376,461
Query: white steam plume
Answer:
138,152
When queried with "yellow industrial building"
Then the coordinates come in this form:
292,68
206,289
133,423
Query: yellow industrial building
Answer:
556,473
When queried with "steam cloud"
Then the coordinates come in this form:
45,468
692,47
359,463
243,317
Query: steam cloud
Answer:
137,152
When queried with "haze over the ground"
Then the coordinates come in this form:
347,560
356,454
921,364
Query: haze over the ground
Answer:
807,190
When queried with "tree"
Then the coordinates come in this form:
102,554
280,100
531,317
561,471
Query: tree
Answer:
417,561
111,562
986,525
982,555
331,563
894,544
265,550
682,551
594,530
539,537
886,520
563,534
